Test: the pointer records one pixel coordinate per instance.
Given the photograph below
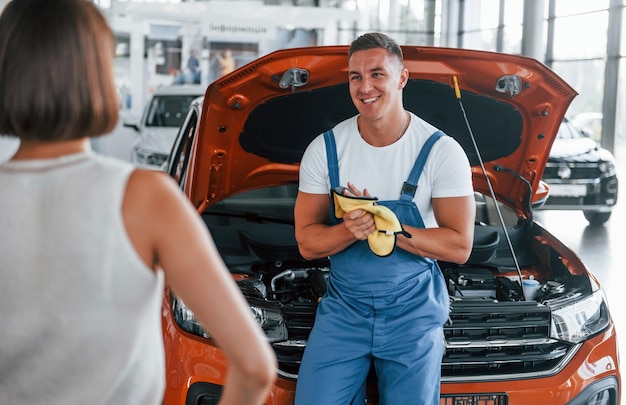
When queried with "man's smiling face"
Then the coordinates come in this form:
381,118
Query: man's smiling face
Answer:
376,80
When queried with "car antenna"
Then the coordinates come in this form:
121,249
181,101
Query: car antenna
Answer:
457,92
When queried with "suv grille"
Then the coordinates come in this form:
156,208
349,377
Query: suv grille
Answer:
507,337
578,171
481,337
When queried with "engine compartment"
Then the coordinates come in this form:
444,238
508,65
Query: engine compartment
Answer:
492,325
489,275
254,233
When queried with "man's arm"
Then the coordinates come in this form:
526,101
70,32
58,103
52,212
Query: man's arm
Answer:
316,238
452,240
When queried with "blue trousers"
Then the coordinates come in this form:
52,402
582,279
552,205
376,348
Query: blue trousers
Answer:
396,328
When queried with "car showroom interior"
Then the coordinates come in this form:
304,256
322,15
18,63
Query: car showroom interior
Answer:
225,96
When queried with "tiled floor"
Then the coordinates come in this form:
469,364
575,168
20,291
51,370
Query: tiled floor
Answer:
600,249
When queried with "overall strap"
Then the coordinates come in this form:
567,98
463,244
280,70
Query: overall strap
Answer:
333,169
410,185
331,156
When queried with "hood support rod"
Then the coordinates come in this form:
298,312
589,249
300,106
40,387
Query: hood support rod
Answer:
457,92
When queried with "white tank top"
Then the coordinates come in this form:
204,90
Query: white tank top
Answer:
79,310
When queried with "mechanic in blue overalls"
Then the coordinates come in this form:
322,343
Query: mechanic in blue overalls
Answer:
387,309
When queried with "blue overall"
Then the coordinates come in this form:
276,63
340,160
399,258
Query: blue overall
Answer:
390,309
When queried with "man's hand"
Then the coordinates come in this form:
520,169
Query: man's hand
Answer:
359,222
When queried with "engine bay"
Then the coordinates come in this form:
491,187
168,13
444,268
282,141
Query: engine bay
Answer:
487,301
489,275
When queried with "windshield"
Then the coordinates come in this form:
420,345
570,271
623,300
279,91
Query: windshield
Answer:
168,111
567,130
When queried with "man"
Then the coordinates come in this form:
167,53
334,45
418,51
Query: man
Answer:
193,67
389,310
227,62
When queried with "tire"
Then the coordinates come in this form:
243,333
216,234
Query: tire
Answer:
597,218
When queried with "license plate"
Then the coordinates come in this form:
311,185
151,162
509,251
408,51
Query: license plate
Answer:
568,190
480,399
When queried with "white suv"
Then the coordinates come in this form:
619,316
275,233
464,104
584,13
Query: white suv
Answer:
159,123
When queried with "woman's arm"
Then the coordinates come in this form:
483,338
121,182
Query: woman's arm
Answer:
168,233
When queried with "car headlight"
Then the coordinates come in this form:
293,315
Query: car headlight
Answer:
269,319
608,167
578,320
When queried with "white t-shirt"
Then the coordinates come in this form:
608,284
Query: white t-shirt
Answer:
383,170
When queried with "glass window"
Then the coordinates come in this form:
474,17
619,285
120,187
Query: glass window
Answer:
620,125
513,12
568,131
168,111
581,36
512,39
483,40
569,7
623,41
482,25
181,150
587,78
513,18
415,22
481,14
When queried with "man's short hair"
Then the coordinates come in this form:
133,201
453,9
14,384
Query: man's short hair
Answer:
373,40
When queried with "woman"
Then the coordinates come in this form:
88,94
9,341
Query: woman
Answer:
87,241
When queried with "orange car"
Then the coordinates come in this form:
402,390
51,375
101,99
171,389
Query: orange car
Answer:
237,156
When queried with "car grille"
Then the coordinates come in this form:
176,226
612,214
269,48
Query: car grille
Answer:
484,339
578,171
299,318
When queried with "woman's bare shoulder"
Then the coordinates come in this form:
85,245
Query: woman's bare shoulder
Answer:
153,207
151,189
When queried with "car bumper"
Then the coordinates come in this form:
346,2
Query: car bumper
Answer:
599,195
591,372
196,372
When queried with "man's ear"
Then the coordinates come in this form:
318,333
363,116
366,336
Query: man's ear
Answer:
404,78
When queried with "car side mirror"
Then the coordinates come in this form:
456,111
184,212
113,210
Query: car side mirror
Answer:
131,122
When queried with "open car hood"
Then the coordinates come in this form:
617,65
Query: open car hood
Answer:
257,121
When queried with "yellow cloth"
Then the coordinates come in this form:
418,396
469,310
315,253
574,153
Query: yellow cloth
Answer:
388,226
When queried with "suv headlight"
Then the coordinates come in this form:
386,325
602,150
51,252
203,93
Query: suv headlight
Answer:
607,167
270,319
578,320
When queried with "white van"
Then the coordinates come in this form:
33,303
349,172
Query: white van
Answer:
159,123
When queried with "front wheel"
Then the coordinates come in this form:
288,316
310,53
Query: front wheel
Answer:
597,218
